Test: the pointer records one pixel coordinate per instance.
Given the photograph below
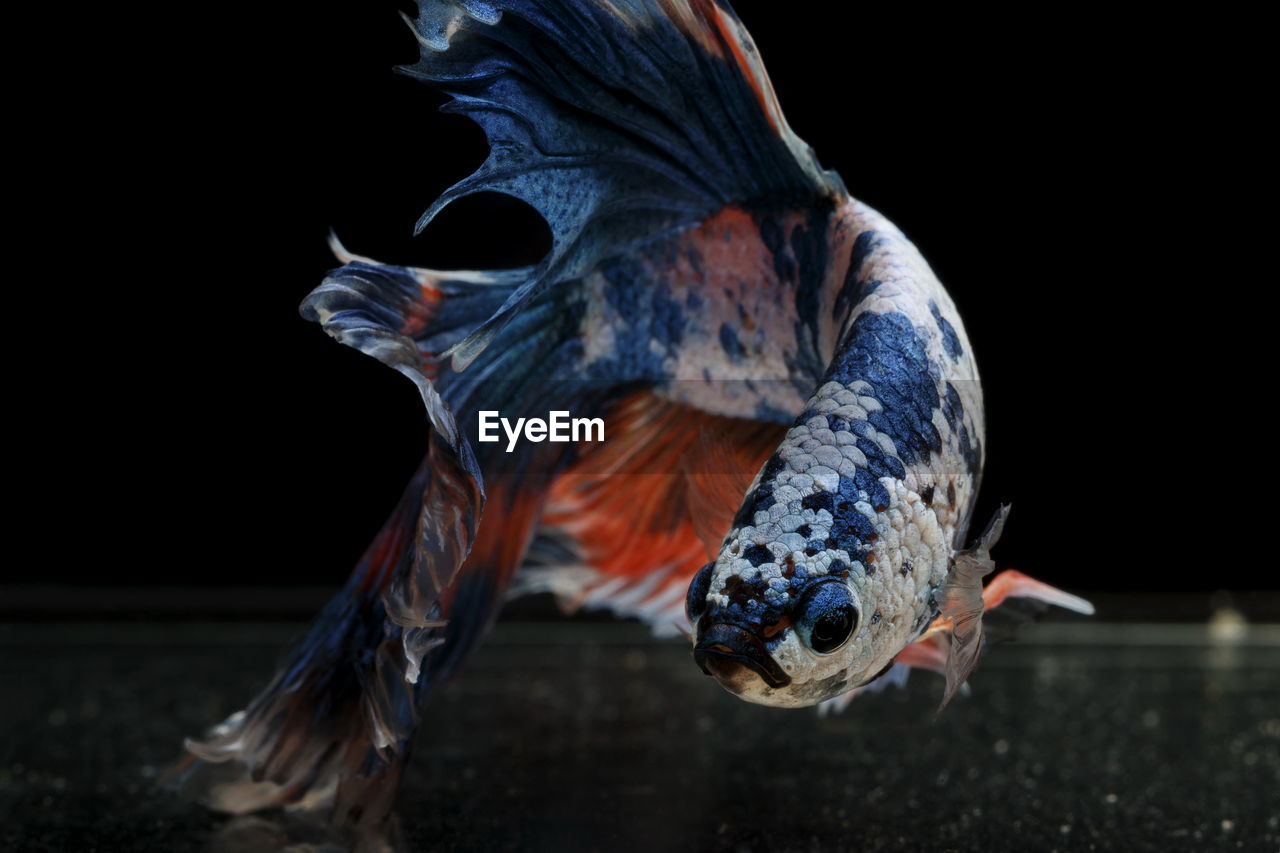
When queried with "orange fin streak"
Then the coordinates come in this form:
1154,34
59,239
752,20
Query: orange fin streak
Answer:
629,505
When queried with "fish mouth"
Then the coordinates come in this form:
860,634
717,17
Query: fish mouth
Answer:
729,653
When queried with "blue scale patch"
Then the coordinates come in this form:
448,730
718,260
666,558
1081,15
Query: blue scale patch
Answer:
950,340
854,288
953,411
784,266
731,344
952,408
803,260
885,351
772,414
667,321
812,252
849,521
648,312
625,276
695,261
878,463
817,501
762,498
865,481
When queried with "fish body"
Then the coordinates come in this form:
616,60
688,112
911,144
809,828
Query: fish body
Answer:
867,498
793,413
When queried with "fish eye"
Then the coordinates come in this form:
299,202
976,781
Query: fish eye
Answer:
695,600
827,617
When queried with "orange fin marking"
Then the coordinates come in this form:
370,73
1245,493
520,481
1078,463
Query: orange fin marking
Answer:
729,34
390,547
764,92
720,469
1014,584
627,502
928,652
503,537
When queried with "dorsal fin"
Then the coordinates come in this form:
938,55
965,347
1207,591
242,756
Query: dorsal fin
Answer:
615,120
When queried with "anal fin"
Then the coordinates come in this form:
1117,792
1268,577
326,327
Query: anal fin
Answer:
640,511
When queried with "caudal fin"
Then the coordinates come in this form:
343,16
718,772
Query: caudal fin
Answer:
334,725
339,712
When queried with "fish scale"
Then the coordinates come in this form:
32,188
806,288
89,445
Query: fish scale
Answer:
794,429
840,477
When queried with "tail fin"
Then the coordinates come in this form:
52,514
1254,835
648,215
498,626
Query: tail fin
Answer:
335,723
341,707
616,121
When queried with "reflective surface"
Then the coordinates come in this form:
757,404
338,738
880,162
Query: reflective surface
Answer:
564,736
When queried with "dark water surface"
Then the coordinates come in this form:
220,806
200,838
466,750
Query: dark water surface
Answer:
1081,736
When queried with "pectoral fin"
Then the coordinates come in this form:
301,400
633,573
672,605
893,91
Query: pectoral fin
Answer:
962,605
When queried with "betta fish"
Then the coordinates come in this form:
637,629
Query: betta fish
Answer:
792,416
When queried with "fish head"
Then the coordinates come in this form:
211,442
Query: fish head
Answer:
785,637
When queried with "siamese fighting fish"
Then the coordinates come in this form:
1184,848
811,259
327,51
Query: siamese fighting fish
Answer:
781,416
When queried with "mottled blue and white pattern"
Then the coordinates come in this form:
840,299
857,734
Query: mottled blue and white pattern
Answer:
873,484
706,275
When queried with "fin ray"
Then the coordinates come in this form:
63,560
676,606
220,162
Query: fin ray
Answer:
615,121
625,510
962,606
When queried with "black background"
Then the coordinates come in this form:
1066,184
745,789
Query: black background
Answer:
1060,175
